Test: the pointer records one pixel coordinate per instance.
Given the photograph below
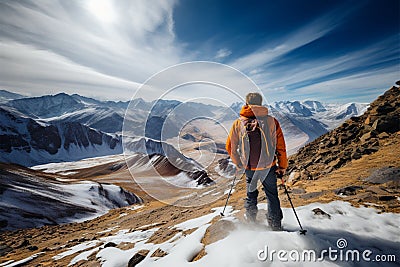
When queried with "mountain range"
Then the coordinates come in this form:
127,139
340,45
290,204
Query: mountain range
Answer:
62,127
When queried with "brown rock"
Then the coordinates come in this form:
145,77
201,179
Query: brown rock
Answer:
293,176
386,197
318,159
363,197
318,211
344,138
373,142
348,190
367,120
312,195
383,135
307,163
376,190
355,155
138,257
32,248
219,230
304,175
328,170
388,124
333,141
370,150
110,244
323,152
298,191
314,175
22,243
159,253
4,249
365,137
336,163
375,124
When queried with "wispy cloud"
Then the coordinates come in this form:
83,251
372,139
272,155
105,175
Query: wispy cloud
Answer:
222,53
381,59
302,36
33,71
68,37
333,77
352,88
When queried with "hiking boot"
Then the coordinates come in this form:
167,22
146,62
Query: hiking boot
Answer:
250,217
275,225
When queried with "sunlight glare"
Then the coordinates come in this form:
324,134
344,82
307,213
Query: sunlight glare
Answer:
102,9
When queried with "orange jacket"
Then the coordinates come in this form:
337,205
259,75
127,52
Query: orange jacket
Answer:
273,147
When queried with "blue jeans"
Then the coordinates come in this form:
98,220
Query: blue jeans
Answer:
268,180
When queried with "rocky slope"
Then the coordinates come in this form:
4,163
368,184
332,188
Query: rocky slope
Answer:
356,137
357,161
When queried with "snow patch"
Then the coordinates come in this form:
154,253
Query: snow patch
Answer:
75,249
182,180
135,207
65,168
23,261
83,256
197,222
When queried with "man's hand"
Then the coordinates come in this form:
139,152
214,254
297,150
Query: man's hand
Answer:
280,171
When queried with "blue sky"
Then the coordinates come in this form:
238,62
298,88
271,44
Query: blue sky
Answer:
332,51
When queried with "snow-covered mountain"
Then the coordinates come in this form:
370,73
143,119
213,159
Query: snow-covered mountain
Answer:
46,106
329,115
104,116
28,142
304,121
30,200
108,116
6,96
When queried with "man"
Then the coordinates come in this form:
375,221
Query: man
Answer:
256,143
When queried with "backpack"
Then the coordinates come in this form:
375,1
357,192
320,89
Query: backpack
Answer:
254,125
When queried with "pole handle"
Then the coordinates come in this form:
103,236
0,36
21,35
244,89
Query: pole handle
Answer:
280,176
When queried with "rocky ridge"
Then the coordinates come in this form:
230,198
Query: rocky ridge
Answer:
355,138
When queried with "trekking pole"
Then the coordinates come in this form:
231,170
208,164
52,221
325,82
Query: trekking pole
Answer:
302,231
229,194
